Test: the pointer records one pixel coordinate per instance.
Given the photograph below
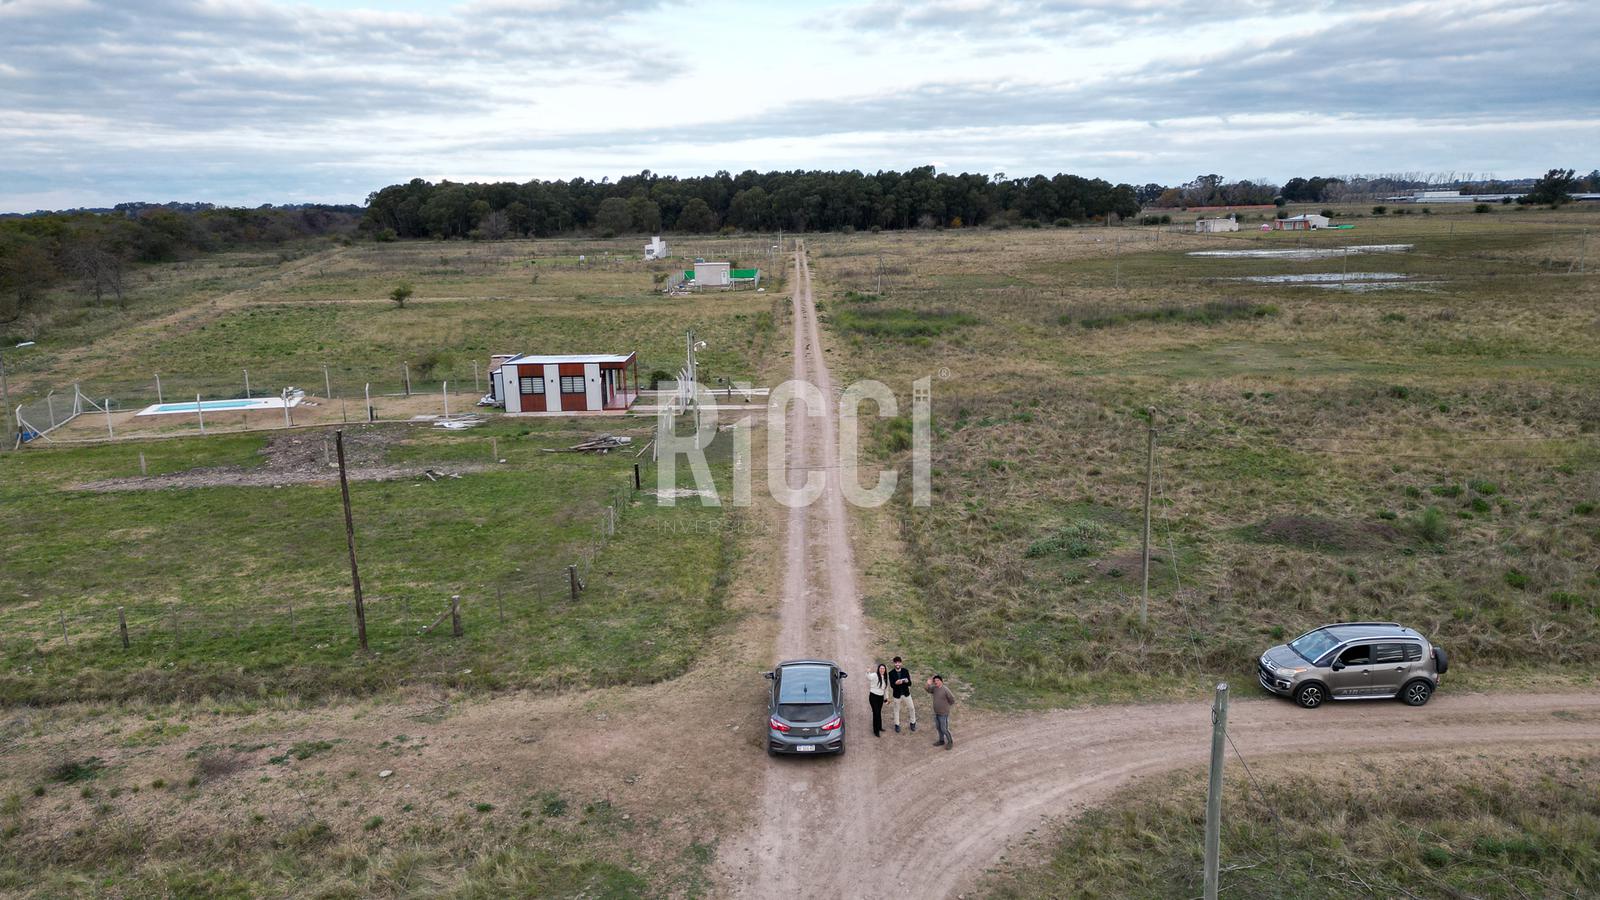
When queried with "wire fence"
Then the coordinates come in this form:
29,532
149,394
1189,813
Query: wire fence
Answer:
326,617
109,407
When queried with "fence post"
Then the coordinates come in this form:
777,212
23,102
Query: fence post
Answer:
50,402
327,386
408,379
200,412
247,384
500,602
122,626
142,469
370,416
494,449
477,386
112,434
64,638
158,388
636,476
572,581
446,392
455,614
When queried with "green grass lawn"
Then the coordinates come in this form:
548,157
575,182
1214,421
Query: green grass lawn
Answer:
246,590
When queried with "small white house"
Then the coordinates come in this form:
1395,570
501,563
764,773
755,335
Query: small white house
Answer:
656,249
1305,222
713,274
1212,226
555,385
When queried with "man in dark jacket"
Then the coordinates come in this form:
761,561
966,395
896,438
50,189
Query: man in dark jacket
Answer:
900,685
942,701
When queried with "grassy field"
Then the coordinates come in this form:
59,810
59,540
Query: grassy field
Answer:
1424,452
201,324
245,589
238,583
1465,826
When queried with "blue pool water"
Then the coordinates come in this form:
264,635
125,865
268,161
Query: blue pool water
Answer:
208,405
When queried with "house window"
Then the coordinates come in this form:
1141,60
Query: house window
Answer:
532,384
572,384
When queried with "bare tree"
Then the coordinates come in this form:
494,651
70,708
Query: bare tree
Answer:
100,269
495,225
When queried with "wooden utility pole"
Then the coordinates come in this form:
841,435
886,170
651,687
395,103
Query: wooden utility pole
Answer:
1219,735
122,626
455,615
350,542
1149,476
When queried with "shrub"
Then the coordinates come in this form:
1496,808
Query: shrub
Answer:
1206,314
73,771
1516,579
900,323
401,293
1430,525
1328,213
1067,223
1481,208
1074,540
657,377
1379,210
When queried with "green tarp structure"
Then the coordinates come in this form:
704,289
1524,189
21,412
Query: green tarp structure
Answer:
745,274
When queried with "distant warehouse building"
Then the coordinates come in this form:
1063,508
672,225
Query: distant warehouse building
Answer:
1212,226
558,385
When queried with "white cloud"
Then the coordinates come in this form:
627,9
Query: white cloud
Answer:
251,101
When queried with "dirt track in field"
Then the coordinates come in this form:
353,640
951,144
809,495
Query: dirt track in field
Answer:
897,817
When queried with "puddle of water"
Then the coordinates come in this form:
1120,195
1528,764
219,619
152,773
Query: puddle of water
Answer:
1361,287
1319,277
1302,252
1358,282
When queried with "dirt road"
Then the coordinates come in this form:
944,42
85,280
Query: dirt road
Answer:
896,817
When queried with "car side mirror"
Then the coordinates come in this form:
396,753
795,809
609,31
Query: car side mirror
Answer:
844,674
1336,666
767,675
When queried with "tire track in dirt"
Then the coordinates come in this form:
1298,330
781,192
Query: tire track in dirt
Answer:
896,818
819,616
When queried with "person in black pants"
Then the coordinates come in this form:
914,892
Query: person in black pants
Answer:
877,686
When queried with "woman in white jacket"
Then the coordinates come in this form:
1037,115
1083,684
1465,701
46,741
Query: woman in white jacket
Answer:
877,686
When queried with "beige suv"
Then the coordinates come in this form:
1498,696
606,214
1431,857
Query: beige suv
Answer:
1354,661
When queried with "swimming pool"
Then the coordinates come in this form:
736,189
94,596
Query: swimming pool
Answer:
205,406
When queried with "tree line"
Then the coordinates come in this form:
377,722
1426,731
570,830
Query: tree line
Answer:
93,250
753,201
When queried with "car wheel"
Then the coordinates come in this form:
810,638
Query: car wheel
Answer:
1310,696
1416,693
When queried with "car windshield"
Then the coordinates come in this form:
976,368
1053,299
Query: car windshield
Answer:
1313,644
805,684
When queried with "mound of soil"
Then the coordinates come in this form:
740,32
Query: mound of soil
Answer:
305,457
1316,533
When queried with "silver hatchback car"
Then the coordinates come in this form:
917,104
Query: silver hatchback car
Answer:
1354,661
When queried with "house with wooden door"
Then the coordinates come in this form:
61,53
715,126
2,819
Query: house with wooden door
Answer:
564,385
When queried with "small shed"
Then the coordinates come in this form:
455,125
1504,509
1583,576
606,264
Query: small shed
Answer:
711,274
1304,222
562,385
656,249
1212,226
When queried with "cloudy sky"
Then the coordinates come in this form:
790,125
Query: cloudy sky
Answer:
255,101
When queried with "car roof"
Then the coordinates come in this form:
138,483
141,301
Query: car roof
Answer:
1351,631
